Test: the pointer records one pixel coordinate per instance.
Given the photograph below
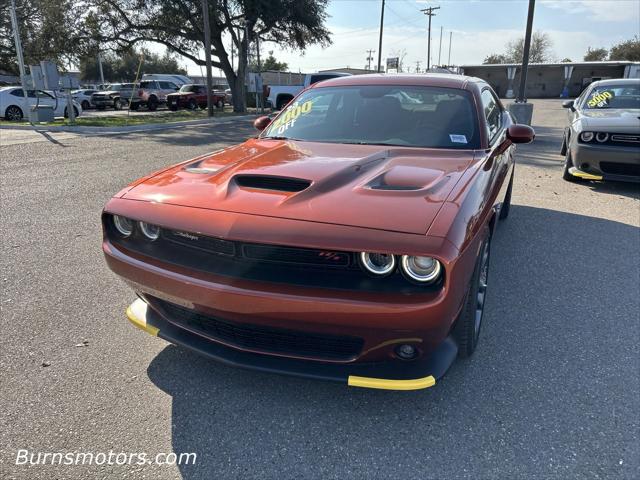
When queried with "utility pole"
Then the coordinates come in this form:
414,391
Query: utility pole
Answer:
418,62
207,55
18,43
440,50
380,40
369,58
258,76
429,12
101,72
450,38
525,54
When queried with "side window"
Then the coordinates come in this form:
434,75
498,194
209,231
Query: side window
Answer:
167,85
17,93
492,113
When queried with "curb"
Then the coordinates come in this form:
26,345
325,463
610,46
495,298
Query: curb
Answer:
128,129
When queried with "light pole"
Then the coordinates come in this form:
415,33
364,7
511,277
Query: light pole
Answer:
18,43
380,40
522,110
207,55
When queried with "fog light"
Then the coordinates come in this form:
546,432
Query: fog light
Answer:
378,263
124,225
406,352
152,232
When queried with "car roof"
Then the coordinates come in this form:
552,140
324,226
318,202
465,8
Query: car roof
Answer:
617,81
450,80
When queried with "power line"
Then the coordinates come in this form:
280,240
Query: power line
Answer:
429,12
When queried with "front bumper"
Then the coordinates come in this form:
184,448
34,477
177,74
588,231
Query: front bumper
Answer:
609,162
387,375
103,102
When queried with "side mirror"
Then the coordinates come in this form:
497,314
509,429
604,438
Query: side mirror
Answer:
568,104
519,133
261,123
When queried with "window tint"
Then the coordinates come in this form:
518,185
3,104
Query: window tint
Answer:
17,93
168,85
320,77
492,113
613,96
148,84
410,116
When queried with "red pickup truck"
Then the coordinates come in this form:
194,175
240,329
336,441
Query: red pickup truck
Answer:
194,96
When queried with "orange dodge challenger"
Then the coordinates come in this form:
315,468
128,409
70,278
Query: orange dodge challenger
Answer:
348,241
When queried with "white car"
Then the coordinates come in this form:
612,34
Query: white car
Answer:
14,108
83,97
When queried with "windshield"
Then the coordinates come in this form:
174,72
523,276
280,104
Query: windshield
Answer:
188,88
114,87
409,116
613,96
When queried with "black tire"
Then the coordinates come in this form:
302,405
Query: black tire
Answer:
134,106
193,105
565,169
86,105
152,104
220,105
563,148
467,328
117,104
66,112
13,113
506,203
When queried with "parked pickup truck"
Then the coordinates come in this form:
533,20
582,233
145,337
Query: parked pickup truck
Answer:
116,95
279,95
194,96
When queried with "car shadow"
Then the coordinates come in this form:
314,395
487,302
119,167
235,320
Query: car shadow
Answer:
547,385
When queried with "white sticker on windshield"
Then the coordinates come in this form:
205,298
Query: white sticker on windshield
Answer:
458,138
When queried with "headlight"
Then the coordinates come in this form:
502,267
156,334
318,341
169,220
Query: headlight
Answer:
124,225
152,232
421,269
378,263
586,136
602,137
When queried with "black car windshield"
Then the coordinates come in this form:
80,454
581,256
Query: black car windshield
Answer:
411,116
613,96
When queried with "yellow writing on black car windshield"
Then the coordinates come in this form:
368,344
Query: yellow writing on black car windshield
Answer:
599,99
290,115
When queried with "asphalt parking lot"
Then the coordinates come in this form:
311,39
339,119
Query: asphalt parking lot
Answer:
553,390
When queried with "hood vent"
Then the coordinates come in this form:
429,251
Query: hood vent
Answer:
270,182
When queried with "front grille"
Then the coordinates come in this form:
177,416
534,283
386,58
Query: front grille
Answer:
305,267
262,338
615,168
625,138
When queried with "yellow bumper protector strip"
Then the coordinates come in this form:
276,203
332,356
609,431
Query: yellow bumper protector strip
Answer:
382,383
137,315
580,174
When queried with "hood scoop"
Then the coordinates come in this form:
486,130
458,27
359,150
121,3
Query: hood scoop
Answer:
272,183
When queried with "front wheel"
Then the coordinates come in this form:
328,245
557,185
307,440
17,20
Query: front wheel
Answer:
66,112
193,104
86,105
566,175
13,113
152,104
220,104
117,104
467,328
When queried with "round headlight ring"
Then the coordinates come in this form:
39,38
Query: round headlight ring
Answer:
150,231
379,264
123,225
602,137
416,268
586,136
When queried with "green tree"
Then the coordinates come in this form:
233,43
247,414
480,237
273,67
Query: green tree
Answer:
178,24
596,54
269,63
49,30
495,58
627,50
123,66
539,51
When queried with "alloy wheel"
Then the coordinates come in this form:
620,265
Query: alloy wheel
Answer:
13,114
483,282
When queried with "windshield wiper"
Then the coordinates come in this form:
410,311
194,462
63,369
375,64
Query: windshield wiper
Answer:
276,137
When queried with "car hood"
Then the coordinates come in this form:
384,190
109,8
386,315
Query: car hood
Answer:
389,188
180,94
614,119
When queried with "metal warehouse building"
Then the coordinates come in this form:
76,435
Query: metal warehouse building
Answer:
550,80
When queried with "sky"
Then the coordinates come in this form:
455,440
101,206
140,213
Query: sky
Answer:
480,28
